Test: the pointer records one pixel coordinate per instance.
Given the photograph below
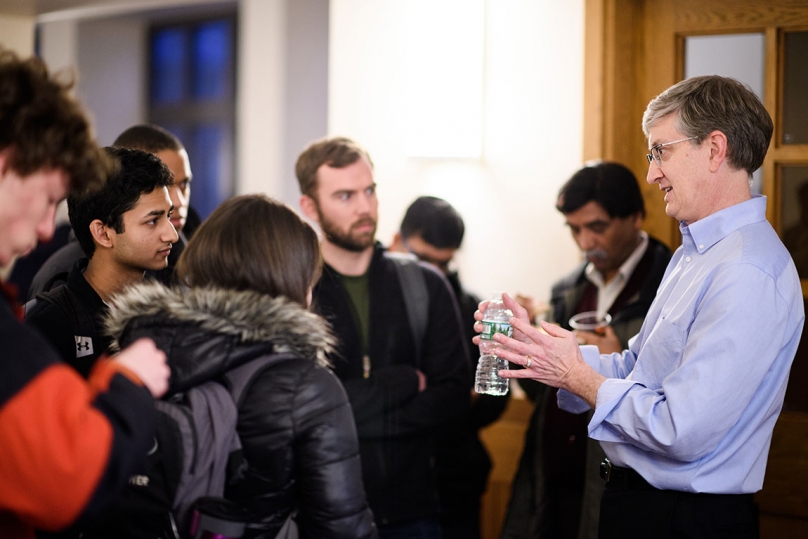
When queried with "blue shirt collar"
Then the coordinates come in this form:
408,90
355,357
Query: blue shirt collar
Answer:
708,231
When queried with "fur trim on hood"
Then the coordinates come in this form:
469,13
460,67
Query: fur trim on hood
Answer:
249,317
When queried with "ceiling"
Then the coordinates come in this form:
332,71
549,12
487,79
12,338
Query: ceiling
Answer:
69,9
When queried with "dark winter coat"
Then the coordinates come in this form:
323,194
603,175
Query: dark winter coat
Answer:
295,423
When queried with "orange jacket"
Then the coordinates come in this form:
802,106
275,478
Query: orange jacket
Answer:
66,445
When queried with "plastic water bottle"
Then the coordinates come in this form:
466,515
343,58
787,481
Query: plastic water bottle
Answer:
495,320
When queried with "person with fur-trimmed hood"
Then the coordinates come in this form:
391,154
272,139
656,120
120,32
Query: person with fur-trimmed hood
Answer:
246,279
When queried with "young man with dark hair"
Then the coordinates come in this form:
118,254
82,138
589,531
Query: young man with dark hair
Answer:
433,230
557,486
685,415
68,445
124,229
168,148
402,385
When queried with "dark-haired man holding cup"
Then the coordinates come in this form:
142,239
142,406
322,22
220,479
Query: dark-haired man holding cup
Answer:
557,488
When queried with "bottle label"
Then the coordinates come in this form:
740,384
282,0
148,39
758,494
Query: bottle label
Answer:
490,328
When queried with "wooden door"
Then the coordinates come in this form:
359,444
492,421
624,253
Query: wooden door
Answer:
634,50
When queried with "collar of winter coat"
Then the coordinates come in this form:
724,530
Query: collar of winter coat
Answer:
207,331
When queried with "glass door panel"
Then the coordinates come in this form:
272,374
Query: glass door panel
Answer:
795,88
793,194
740,56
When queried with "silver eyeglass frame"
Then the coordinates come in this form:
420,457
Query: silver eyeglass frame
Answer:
654,155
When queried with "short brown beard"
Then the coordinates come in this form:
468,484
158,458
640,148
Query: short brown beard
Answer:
346,240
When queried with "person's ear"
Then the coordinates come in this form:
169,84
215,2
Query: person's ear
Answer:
718,149
102,234
397,245
309,207
638,220
4,162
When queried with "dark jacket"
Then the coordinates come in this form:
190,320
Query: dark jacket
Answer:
68,445
528,506
78,346
394,420
294,421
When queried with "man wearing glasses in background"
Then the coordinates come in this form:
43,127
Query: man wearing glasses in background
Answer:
685,414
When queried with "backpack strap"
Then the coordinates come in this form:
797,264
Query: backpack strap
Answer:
241,378
56,280
204,418
416,297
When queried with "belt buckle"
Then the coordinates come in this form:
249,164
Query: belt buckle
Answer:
606,470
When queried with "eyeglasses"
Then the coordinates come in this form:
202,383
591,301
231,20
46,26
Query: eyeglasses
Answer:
443,265
656,153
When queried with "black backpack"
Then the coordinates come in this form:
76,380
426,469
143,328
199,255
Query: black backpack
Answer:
196,450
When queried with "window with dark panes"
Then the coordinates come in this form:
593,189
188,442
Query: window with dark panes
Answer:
192,94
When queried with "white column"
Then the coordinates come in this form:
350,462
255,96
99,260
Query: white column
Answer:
261,96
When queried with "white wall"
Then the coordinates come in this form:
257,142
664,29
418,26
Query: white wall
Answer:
108,57
282,99
307,70
112,60
532,138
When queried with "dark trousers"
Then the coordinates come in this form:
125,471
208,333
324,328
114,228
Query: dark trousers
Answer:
629,511
460,513
425,528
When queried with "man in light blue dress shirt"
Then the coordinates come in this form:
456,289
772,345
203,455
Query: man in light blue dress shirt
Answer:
685,415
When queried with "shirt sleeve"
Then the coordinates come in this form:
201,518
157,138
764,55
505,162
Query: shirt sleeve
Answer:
68,445
695,376
614,367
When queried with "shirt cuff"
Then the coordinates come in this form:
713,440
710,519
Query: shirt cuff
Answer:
566,400
610,394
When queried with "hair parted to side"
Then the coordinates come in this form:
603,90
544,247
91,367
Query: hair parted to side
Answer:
253,242
336,152
436,221
138,173
611,185
149,138
43,127
709,103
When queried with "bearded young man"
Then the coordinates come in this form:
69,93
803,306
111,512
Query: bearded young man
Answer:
399,395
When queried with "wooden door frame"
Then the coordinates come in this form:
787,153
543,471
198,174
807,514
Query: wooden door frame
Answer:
615,95
627,62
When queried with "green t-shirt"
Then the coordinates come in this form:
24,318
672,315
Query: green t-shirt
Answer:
358,289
